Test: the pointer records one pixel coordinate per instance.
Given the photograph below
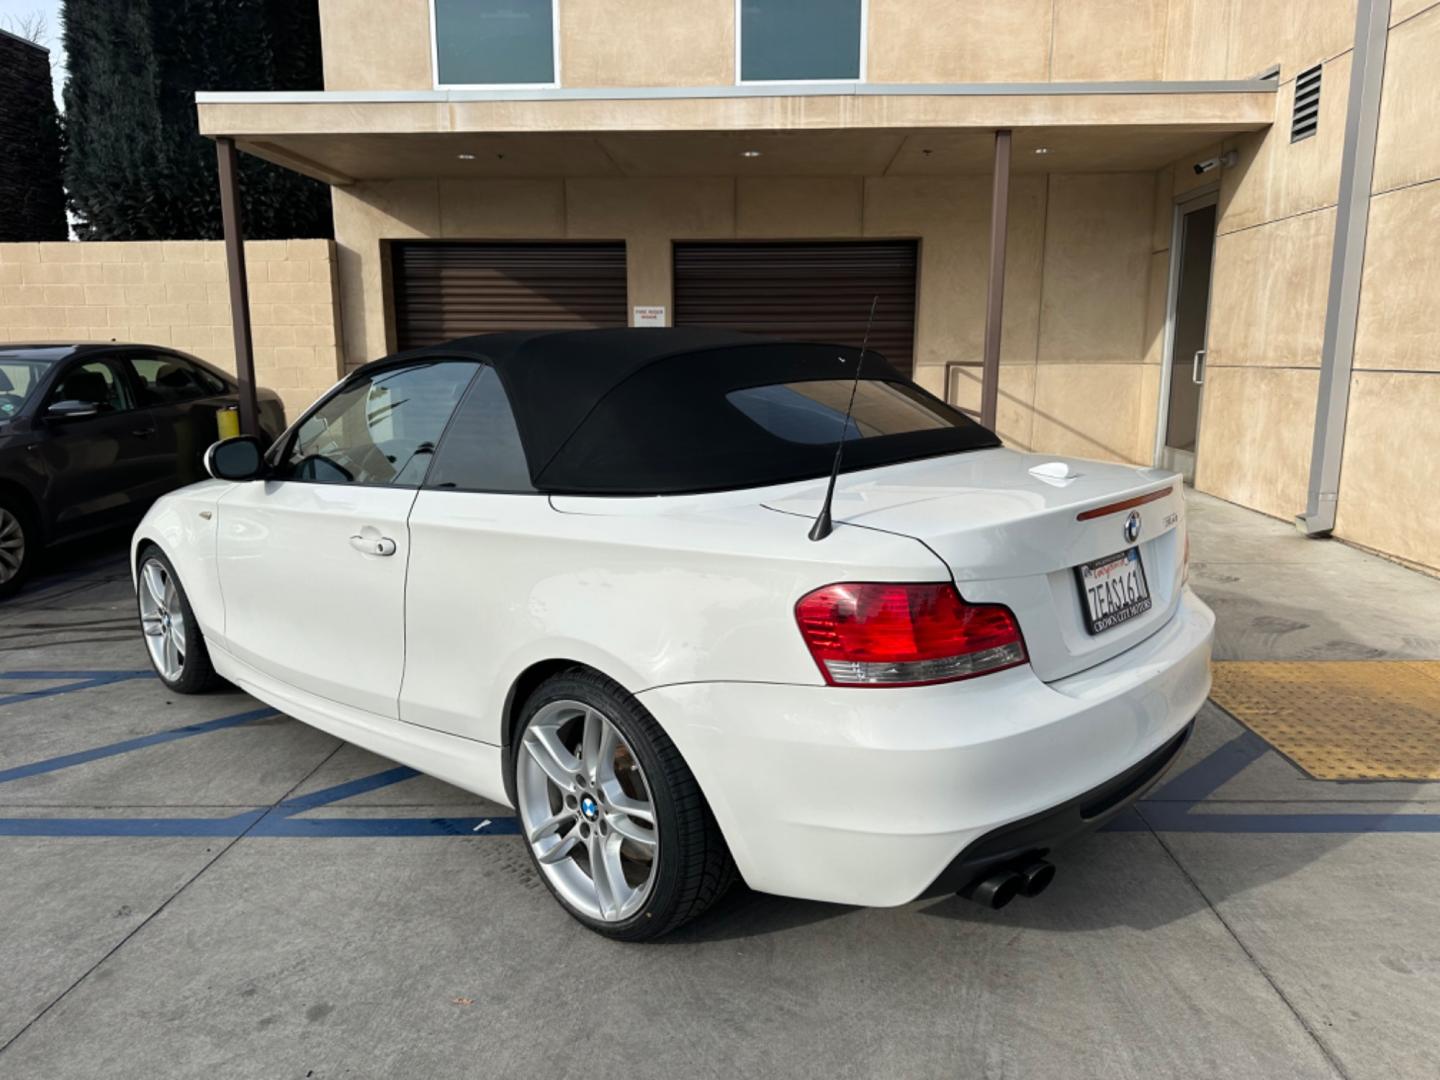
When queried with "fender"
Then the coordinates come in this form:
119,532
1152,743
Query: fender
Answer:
182,525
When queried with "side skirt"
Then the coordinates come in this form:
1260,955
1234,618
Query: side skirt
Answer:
475,767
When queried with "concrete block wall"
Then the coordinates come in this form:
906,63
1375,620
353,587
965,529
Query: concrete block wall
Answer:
176,293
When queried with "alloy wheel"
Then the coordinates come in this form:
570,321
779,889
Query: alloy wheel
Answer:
12,545
162,620
586,810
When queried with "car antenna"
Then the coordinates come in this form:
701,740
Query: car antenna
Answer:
823,526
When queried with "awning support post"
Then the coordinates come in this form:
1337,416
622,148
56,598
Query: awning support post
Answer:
239,290
995,281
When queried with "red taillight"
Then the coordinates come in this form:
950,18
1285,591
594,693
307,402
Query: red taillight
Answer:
869,634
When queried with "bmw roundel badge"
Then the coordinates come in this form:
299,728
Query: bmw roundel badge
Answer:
1132,527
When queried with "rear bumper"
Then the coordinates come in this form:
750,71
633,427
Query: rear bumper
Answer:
1034,837
869,796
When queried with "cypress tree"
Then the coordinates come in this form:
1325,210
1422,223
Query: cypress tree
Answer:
32,198
136,167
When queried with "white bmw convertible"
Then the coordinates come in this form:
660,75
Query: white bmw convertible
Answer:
594,575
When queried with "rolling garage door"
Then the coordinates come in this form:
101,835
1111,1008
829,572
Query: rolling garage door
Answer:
448,290
818,291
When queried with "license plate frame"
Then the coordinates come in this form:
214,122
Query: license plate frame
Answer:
1097,579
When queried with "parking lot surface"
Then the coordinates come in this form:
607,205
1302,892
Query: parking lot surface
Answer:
200,886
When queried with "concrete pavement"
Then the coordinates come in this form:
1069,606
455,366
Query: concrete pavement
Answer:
251,898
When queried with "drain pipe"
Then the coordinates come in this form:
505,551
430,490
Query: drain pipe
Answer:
1347,263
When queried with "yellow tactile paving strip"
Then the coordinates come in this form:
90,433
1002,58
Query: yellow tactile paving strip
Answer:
1340,719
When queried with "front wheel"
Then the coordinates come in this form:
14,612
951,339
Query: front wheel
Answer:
613,817
172,636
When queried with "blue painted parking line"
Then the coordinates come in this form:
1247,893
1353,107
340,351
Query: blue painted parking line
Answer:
281,820
1173,817
79,680
259,823
80,757
354,828
1214,771
350,788
1173,807
147,826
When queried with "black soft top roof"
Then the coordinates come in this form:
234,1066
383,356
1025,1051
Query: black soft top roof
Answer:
598,412
556,377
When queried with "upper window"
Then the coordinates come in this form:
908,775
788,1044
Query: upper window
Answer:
95,383
494,42
18,379
168,379
801,40
381,430
482,450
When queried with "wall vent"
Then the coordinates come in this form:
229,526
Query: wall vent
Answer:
1305,119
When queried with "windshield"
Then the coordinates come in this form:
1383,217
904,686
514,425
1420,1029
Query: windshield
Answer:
751,416
18,379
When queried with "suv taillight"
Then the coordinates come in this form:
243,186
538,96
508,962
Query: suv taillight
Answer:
871,634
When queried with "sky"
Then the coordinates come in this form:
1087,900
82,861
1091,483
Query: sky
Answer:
12,12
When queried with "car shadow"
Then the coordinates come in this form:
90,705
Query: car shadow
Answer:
743,913
1131,878
99,557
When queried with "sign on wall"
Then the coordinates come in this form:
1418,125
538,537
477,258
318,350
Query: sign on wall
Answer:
649,316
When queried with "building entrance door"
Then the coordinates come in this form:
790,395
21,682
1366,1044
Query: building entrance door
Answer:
1183,383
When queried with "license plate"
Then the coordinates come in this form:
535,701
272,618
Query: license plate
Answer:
1113,590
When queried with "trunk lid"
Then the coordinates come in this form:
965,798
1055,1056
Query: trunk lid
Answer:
1013,528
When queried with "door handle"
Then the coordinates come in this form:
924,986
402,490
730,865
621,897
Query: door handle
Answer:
143,433
1197,366
373,545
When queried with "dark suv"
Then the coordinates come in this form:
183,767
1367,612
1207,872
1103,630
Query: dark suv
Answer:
90,435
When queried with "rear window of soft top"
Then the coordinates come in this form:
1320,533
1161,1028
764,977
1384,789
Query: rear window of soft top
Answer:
749,416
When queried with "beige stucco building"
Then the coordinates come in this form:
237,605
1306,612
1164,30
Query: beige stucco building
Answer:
1253,181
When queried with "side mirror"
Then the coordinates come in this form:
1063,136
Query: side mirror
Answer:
72,410
238,459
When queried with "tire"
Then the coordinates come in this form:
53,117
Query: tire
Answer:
181,659
19,544
681,856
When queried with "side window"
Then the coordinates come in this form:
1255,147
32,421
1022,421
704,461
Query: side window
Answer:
212,382
17,383
95,383
380,430
482,450
167,379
